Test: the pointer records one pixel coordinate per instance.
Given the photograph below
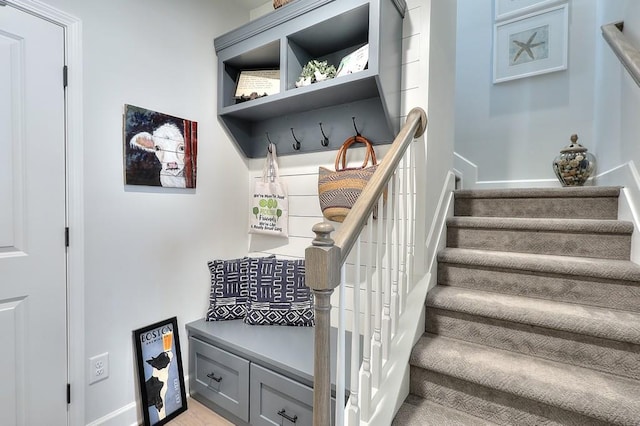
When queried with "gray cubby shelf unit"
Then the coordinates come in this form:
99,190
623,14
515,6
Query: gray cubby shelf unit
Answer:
287,39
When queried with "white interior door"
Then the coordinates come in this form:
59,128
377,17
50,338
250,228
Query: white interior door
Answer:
33,295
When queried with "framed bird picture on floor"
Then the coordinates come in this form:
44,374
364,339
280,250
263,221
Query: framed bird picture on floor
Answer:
530,45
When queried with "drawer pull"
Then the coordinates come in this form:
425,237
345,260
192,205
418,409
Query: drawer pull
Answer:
213,377
284,414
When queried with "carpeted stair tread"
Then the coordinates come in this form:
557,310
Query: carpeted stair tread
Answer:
565,192
417,411
607,283
590,393
621,326
609,239
579,226
610,269
536,316
577,203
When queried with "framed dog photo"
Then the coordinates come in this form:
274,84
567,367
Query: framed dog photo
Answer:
160,375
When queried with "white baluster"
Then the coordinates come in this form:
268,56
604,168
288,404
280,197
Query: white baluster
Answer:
405,224
386,317
340,357
365,373
395,301
354,408
376,349
412,211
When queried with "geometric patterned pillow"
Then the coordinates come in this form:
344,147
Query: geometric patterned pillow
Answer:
278,294
229,288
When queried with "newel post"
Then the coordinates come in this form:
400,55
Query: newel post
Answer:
322,275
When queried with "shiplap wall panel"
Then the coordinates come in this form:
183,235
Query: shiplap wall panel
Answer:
300,172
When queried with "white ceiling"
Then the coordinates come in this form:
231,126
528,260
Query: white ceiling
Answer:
251,4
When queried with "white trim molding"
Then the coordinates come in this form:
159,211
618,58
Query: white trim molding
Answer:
468,174
626,176
126,415
75,199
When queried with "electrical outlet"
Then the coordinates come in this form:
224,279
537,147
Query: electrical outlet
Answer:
98,367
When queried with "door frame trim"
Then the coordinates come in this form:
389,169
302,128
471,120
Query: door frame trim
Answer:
75,200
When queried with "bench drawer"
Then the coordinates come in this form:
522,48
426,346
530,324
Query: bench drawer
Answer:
278,400
221,377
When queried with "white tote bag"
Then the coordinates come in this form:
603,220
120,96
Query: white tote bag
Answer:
269,204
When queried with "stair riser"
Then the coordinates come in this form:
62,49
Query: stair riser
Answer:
606,246
594,292
498,407
560,208
604,355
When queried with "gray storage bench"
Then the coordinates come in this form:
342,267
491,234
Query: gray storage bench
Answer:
255,374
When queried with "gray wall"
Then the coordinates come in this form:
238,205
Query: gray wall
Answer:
147,247
513,130
618,97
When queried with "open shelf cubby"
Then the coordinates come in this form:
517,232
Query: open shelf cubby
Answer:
287,39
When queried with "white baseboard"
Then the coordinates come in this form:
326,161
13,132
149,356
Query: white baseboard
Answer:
127,415
468,174
626,176
436,239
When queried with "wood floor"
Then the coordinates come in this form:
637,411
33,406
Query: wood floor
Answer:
198,415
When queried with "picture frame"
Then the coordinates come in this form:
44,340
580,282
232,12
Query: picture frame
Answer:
160,375
507,9
531,45
159,149
253,84
354,62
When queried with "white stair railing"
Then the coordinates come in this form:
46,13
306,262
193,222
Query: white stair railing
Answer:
386,283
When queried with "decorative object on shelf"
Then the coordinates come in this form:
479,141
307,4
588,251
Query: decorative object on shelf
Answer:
574,165
315,71
159,149
339,189
253,84
269,201
532,44
161,380
354,62
280,3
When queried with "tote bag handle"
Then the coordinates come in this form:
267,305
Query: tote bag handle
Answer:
341,157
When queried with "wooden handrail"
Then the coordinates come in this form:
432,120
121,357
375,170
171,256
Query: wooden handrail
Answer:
325,257
355,221
629,56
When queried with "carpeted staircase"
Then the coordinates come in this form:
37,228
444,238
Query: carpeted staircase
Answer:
536,316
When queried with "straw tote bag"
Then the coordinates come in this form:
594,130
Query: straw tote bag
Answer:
339,189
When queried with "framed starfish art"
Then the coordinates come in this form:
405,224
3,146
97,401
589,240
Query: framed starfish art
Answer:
531,44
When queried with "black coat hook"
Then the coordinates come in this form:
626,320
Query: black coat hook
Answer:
270,143
355,127
296,146
325,140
